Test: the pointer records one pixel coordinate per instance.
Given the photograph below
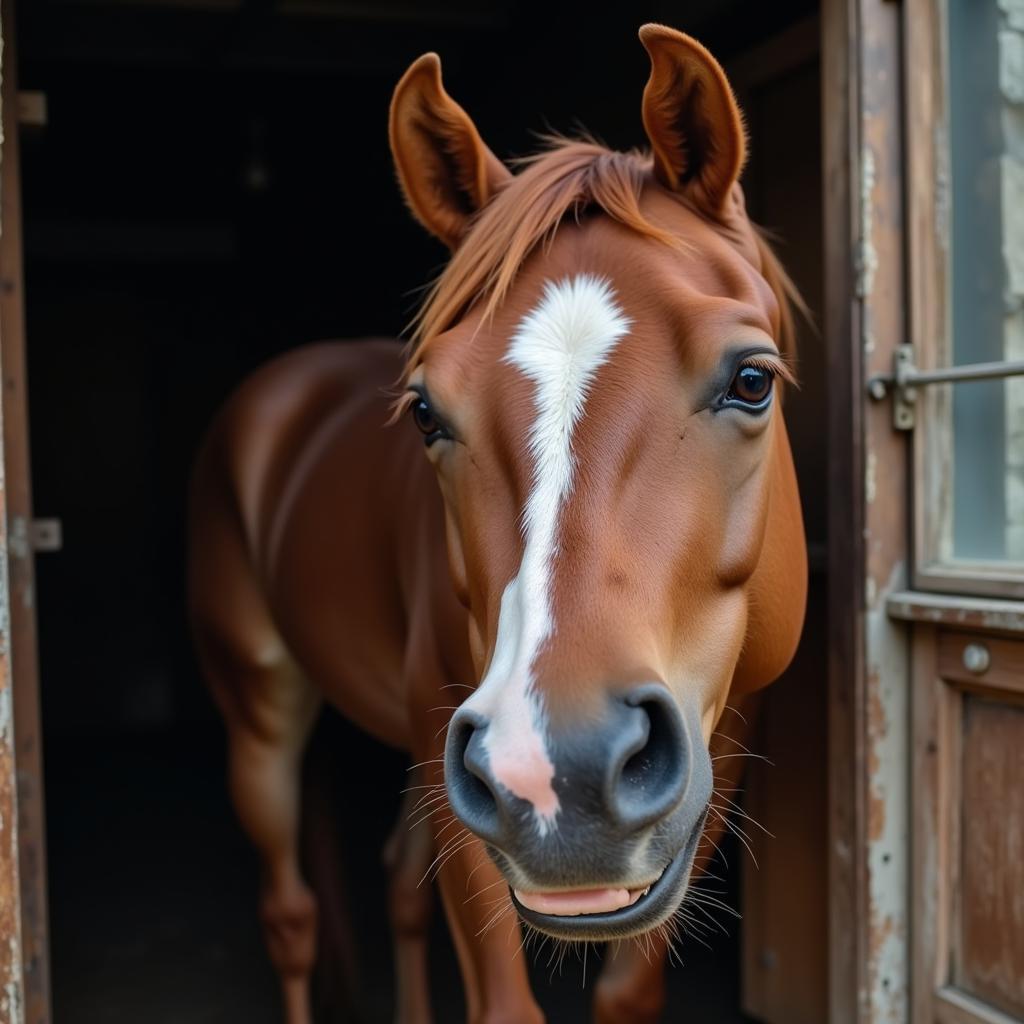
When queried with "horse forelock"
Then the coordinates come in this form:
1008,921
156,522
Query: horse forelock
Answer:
563,180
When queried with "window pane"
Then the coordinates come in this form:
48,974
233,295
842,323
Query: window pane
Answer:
986,236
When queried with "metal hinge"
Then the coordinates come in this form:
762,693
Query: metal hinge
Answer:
32,109
47,535
906,378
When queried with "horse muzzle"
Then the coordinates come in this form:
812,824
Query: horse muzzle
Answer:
612,856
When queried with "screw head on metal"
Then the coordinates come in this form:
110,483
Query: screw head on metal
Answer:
976,658
877,388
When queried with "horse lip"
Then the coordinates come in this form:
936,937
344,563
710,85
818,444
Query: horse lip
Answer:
629,919
567,902
642,915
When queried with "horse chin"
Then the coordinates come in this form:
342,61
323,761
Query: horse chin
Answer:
648,909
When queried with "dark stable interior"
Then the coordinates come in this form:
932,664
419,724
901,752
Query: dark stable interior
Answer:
214,187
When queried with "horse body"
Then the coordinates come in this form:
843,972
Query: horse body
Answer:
341,532
551,611
317,570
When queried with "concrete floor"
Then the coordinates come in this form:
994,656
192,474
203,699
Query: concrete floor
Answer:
153,889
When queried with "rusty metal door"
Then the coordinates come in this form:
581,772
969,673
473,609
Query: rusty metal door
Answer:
924,163
24,959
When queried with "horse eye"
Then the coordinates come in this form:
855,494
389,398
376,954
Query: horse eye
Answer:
751,386
426,422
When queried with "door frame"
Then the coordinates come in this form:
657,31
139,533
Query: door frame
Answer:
868,539
24,962
12,1000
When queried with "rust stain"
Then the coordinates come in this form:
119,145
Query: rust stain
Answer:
877,724
876,816
886,710
880,933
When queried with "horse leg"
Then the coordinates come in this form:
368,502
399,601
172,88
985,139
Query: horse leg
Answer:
407,857
482,922
631,989
269,712
481,919
486,933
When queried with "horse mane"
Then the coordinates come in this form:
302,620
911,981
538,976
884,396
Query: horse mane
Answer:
566,178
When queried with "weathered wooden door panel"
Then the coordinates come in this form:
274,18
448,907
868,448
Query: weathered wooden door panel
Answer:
968,783
957,124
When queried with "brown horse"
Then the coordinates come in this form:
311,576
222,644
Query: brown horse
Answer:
596,381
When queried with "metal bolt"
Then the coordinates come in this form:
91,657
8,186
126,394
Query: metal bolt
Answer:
977,659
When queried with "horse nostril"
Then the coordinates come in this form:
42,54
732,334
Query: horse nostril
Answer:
470,791
649,775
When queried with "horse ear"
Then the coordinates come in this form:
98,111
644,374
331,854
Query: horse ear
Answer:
445,170
692,120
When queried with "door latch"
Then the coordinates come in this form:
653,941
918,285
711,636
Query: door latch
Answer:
906,378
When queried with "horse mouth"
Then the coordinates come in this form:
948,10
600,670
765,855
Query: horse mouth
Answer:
577,902
611,912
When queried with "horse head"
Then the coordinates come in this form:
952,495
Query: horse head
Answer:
598,377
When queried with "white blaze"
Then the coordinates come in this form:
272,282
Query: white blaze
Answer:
560,346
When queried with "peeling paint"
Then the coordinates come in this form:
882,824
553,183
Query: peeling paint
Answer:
866,259
18,539
870,477
12,990
6,717
973,613
887,756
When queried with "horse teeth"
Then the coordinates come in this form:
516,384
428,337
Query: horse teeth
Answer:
645,892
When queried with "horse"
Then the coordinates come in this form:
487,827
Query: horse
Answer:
601,551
